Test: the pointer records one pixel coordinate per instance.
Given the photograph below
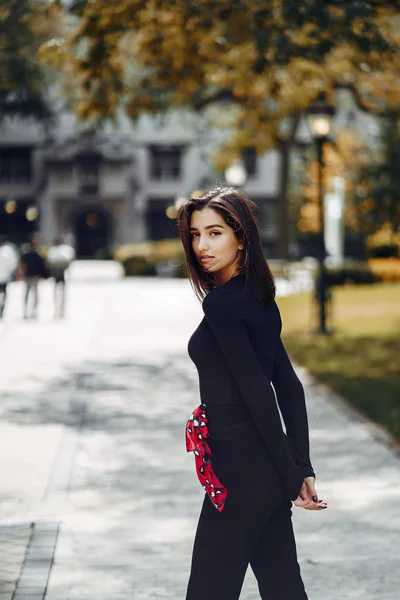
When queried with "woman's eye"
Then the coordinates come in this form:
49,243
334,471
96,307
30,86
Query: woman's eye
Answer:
212,234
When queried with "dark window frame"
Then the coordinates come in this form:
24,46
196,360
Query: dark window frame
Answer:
250,159
166,162
89,169
16,162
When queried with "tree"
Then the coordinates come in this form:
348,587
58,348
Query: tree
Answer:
372,183
380,194
379,94
24,26
249,65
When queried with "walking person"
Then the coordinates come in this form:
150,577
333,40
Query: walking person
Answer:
59,258
250,469
8,266
32,268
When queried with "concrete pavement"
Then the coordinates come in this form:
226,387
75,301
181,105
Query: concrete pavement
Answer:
92,455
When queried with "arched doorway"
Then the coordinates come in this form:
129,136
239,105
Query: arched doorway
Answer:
93,230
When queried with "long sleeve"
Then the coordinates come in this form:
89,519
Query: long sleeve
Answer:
229,329
291,401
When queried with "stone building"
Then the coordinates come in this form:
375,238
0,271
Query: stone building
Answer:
114,187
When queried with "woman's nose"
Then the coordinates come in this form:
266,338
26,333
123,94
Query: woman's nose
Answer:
203,245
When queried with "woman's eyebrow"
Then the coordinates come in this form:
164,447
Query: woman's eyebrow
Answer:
208,227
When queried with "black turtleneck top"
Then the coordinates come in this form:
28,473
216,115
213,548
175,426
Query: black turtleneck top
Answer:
238,353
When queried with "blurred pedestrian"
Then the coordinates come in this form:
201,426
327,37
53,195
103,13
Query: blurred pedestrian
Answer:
237,429
59,257
8,266
32,268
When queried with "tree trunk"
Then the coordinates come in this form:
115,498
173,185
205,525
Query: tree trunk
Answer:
285,146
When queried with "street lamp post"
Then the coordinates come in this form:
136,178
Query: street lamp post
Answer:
319,117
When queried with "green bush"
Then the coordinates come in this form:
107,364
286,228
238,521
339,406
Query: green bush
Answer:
387,269
103,254
138,265
167,250
384,251
164,257
122,253
358,273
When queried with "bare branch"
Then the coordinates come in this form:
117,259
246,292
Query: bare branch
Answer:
363,103
219,96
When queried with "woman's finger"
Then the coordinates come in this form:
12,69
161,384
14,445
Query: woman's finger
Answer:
301,503
310,484
305,493
309,504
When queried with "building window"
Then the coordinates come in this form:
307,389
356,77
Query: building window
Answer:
165,162
89,170
15,165
249,156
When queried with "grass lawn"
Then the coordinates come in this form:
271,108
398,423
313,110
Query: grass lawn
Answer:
361,359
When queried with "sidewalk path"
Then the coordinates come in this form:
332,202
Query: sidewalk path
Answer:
91,438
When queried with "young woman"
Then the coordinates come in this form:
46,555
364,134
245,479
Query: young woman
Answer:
256,468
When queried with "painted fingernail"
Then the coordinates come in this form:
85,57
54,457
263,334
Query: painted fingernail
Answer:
315,498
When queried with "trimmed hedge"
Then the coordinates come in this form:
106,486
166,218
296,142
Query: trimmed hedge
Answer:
165,257
354,273
384,251
387,269
374,271
138,265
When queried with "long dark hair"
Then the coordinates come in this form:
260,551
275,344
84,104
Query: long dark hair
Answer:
238,211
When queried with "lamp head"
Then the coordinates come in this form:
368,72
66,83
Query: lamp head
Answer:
319,118
236,174
320,125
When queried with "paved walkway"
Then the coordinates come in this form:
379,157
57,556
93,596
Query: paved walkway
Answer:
92,454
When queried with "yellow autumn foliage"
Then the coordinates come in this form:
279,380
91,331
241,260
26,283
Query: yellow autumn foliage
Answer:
269,58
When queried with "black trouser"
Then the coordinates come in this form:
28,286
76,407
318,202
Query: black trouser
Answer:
31,287
3,298
255,526
59,295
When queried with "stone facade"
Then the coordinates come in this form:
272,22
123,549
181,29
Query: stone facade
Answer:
113,187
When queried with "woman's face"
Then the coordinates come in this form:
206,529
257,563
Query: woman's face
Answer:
215,244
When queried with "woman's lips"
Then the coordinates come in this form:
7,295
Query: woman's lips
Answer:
205,258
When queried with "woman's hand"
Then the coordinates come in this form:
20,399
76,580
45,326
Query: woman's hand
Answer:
308,497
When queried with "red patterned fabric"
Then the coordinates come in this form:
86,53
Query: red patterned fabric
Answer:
196,436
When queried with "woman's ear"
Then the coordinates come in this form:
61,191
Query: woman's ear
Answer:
241,247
